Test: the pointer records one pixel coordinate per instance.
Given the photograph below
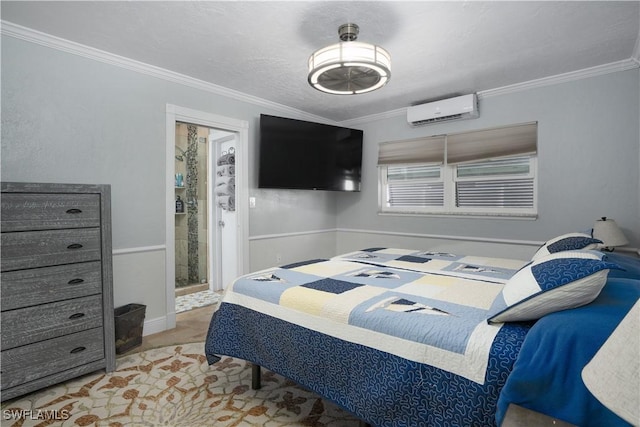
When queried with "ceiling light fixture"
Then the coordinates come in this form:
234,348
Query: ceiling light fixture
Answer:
349,67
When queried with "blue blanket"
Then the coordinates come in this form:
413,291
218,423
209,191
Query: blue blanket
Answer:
547,375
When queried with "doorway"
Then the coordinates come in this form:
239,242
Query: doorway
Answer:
195,276
207,242
191,236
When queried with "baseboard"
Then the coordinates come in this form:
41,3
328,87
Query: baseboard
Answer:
153,326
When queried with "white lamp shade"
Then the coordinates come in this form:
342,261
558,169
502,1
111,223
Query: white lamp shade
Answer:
607,230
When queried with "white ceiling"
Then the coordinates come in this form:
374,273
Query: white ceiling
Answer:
438,49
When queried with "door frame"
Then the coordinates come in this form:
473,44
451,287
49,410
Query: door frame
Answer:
215,232
175,113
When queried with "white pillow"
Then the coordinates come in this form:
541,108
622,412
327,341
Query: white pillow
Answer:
559,281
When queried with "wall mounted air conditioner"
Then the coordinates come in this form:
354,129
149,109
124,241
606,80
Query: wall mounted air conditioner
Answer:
458,108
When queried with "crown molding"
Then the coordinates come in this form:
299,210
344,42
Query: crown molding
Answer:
613,67
30,35
599,70
19,32
374,117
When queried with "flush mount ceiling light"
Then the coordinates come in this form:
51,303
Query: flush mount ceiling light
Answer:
349,67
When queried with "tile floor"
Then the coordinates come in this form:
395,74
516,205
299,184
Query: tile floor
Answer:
196,300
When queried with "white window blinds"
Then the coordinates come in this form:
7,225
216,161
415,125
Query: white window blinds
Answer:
504,183
415,186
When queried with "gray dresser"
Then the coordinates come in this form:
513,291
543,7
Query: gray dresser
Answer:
57,292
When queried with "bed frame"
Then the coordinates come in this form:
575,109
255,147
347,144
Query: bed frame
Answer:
256,379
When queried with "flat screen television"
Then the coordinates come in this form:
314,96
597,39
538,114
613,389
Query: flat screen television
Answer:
301,155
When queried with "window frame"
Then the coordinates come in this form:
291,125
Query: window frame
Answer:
508,211
384,192
449,208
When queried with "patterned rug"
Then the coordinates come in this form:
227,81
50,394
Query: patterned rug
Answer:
174,386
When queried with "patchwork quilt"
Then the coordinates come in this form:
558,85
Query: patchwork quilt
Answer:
395,336
498,270
425,307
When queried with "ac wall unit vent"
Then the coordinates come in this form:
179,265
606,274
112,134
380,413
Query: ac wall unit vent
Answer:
458,108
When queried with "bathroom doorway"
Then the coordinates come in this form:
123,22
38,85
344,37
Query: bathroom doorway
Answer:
192,273
207,221
205,217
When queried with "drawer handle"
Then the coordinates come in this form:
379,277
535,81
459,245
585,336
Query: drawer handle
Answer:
75,281
78,350
74,246
76,316
74,211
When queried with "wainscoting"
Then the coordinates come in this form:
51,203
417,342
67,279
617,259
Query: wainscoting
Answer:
138,277
278,249
138,273
348,240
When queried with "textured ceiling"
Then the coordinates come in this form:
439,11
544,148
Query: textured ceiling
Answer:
438,49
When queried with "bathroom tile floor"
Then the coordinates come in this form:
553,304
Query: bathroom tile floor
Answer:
196,300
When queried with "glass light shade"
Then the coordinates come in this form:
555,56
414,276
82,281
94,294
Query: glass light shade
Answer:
607,230
349,68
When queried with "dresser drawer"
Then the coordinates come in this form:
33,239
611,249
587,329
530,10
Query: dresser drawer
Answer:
23,364
24,288
31,249
41,322
26,211
56,284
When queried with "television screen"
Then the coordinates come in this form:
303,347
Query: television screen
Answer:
295,154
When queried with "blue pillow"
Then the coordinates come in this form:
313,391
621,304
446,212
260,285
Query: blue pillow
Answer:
555,282
567,242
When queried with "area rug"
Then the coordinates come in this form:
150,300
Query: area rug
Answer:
174,386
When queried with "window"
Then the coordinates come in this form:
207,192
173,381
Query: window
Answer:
415,186
504,184
487,172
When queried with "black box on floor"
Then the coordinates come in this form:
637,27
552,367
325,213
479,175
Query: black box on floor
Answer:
129,321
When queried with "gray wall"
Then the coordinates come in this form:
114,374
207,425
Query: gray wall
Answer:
588,149
66,118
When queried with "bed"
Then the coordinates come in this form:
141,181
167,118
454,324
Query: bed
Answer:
402,337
